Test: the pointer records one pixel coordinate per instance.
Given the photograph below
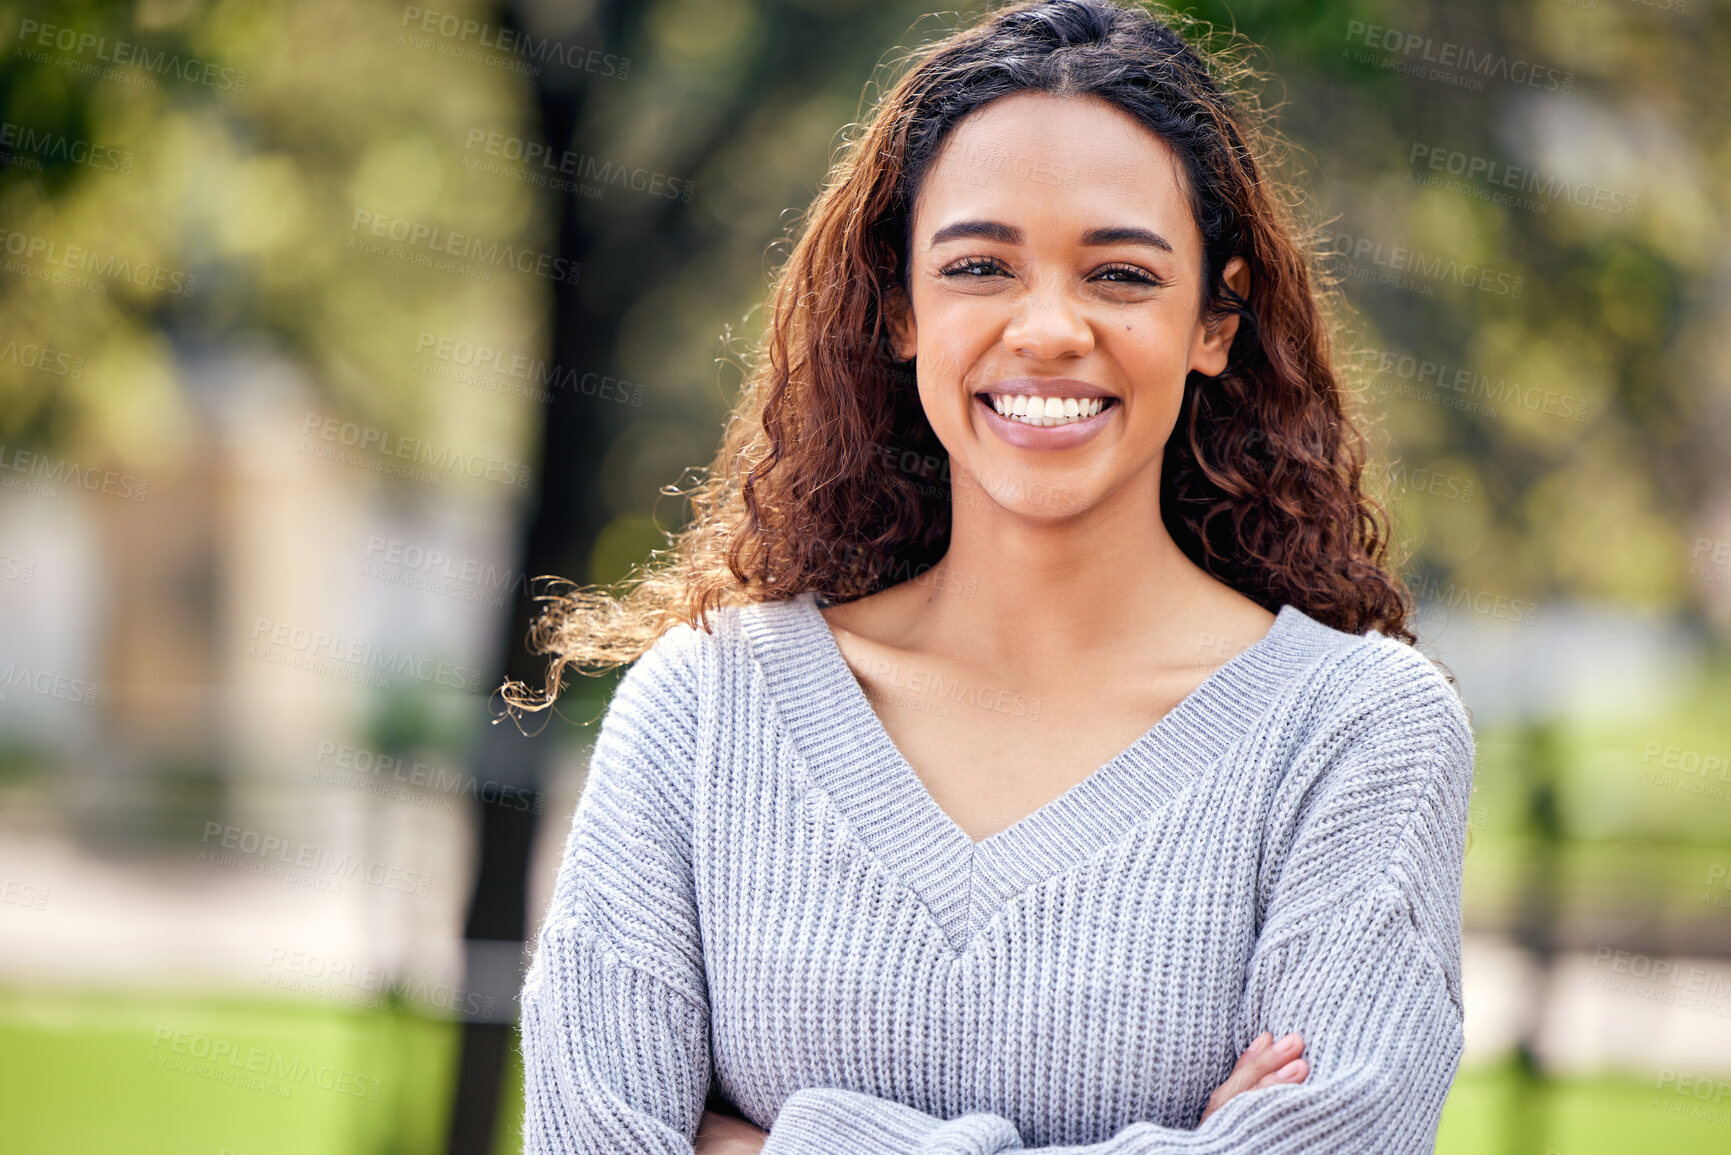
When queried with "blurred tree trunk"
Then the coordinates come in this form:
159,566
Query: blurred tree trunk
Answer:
791,60
565,521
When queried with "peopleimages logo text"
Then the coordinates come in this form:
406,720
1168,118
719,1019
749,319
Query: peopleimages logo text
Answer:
386,444
58,472
1500,175
19,140
1447,55
356,652
261,845
531,49
1401,259
428,776
29,247
159,62
576,165
239,1061
434,240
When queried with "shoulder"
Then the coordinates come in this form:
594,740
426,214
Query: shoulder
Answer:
681,676
1371,687
1378,752
676,701
1375,780
686,654
655,710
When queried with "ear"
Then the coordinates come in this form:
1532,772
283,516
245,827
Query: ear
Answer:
1213,343
899,316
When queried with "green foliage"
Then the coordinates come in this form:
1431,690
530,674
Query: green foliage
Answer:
252,191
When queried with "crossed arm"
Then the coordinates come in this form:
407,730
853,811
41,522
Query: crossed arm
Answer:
1267,1062
616,1061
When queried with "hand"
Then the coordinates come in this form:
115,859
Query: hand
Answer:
725,1135
1265,1063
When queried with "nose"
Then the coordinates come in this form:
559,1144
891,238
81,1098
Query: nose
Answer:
1047,322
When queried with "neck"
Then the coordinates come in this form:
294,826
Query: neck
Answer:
1039,588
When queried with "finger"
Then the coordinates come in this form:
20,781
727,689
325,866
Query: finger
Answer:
1257,1067
1256,1063
1276,1054
1294,1072
1256,1047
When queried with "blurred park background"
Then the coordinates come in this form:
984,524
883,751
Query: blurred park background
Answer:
327,324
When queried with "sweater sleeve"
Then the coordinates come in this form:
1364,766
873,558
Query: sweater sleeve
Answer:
615,1014
1359,953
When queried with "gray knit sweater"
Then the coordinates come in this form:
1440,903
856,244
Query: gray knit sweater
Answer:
758,897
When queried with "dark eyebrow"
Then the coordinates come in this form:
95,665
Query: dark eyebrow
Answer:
984,230
1011,235
1126,235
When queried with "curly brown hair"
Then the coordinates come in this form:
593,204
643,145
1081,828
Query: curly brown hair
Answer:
829,477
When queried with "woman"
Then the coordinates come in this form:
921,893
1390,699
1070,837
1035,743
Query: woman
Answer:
1024,745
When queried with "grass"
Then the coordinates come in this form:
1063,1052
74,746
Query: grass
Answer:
1494,1111
94,1074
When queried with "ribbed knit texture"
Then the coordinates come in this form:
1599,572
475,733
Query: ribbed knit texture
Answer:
758,893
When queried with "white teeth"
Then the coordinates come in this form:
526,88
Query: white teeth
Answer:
1046,410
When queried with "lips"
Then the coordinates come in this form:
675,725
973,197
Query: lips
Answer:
1067,435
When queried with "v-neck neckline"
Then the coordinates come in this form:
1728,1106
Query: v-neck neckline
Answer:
852,760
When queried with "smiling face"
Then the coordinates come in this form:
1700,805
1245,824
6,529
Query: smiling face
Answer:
1055,266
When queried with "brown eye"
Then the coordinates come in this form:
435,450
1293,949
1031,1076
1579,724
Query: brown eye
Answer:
967,266
1131,274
